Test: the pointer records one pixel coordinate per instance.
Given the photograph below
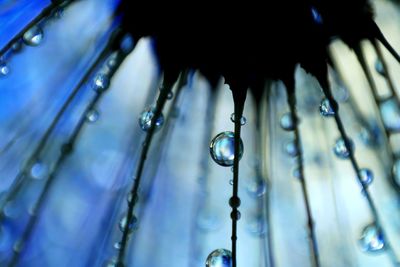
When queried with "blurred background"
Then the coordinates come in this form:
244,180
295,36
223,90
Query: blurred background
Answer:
182,210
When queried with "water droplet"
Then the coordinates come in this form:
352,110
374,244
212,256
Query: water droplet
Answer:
256,187
390,112
170,95
243,119
219,258
33,36
146,119
127,44
291,149
130,198
340,149
231,182
113,263
222,148
101,82
296,173
133,225
208,220
38,170
287,122
372,239
256,225
396,171
379,67
370,136
325,108
4,69
17,46
366,176
117,245
92,115
316,16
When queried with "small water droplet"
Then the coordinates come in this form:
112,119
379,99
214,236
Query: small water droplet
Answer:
133,225
325,108
396,171
366,176
17,46
379,67
219,258
390,112
101,82
92,115
256,187
222,148
372,239
38,170
146,119
170,95
291,149
117,245
340,149
287,123
33,36
4,69
231,182
296,173
243,119
127,43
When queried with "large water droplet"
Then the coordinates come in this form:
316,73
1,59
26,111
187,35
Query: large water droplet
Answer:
146,119
366,176
222,148
38,170
340,149
132,225
372,239
101,82
243,119
219,258
287,123
379,67
92,115
325,108
33,36
4,69
390,112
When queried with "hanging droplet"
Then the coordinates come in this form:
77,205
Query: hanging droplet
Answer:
4,69
291,149
256,187
287,123
366,176
127,43
231,182
325,108
219,258
101,82
38,170
170,95
33,36
117,245
396,171
92,115
372,239
390,112
132,225
340,149
146,119
379,67
17,46
243,119
222,148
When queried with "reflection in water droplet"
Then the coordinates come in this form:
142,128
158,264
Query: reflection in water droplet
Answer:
390,112
366,176
219,258
33,36
92,115
133,225
38,170
243,119
4,69
287,122
379,67
341,150
325,108
372,239
222,149
101,82
146,119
